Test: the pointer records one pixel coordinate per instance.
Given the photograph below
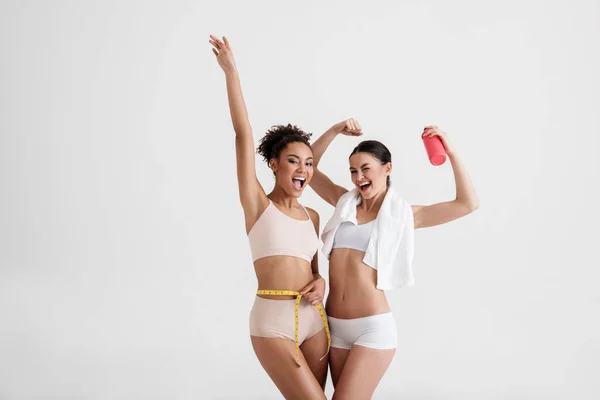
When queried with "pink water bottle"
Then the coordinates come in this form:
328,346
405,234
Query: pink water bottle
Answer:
435,149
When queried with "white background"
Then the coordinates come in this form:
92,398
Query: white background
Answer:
125,272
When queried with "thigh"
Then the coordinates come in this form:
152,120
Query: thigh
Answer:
337,360
362,372
278,358
313,349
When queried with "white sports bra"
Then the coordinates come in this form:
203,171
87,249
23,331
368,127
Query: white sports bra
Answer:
352,236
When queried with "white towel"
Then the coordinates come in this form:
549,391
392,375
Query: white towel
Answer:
391,245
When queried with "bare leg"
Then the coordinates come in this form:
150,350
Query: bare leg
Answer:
313,349
362,372
337,359
278,358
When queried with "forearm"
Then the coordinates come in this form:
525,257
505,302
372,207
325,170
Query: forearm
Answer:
321,144
237,105
465,192
314,266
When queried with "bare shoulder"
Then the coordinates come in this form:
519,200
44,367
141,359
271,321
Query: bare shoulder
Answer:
416,215
416,209
313,215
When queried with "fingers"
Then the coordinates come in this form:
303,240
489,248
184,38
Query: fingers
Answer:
308,288
431,130
215,51
349,125
215,44
314,299
358,127
353,127
217,40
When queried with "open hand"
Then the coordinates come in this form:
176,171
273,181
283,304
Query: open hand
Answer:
223,53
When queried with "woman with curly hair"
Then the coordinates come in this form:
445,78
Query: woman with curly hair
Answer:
288,327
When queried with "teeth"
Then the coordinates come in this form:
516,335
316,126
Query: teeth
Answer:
300,179
363,184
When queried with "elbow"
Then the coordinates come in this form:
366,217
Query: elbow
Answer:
472,205
468,206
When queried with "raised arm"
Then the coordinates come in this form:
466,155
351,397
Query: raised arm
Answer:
321,184
252,196
466,200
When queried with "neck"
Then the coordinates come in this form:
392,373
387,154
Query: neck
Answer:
279,196
375,202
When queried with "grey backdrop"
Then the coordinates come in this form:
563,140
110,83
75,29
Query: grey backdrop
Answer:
125,272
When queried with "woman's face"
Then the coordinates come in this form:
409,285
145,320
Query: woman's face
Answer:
294,168
368,174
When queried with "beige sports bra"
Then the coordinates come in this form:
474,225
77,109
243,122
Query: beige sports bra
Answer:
277,234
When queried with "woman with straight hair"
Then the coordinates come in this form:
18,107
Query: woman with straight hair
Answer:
369,244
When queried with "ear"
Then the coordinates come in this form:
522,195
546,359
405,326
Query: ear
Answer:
388,168
273,165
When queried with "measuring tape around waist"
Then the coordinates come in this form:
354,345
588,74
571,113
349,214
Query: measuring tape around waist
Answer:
298,296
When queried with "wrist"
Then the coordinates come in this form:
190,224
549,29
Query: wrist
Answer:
334,130
231,72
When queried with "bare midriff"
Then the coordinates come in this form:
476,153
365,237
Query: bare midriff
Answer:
352,287
282,273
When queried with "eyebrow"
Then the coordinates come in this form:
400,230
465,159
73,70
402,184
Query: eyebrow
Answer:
293,155
362,166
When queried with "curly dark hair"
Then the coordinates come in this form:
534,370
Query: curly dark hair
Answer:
278,137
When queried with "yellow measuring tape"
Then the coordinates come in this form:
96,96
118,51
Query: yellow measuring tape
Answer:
298,297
